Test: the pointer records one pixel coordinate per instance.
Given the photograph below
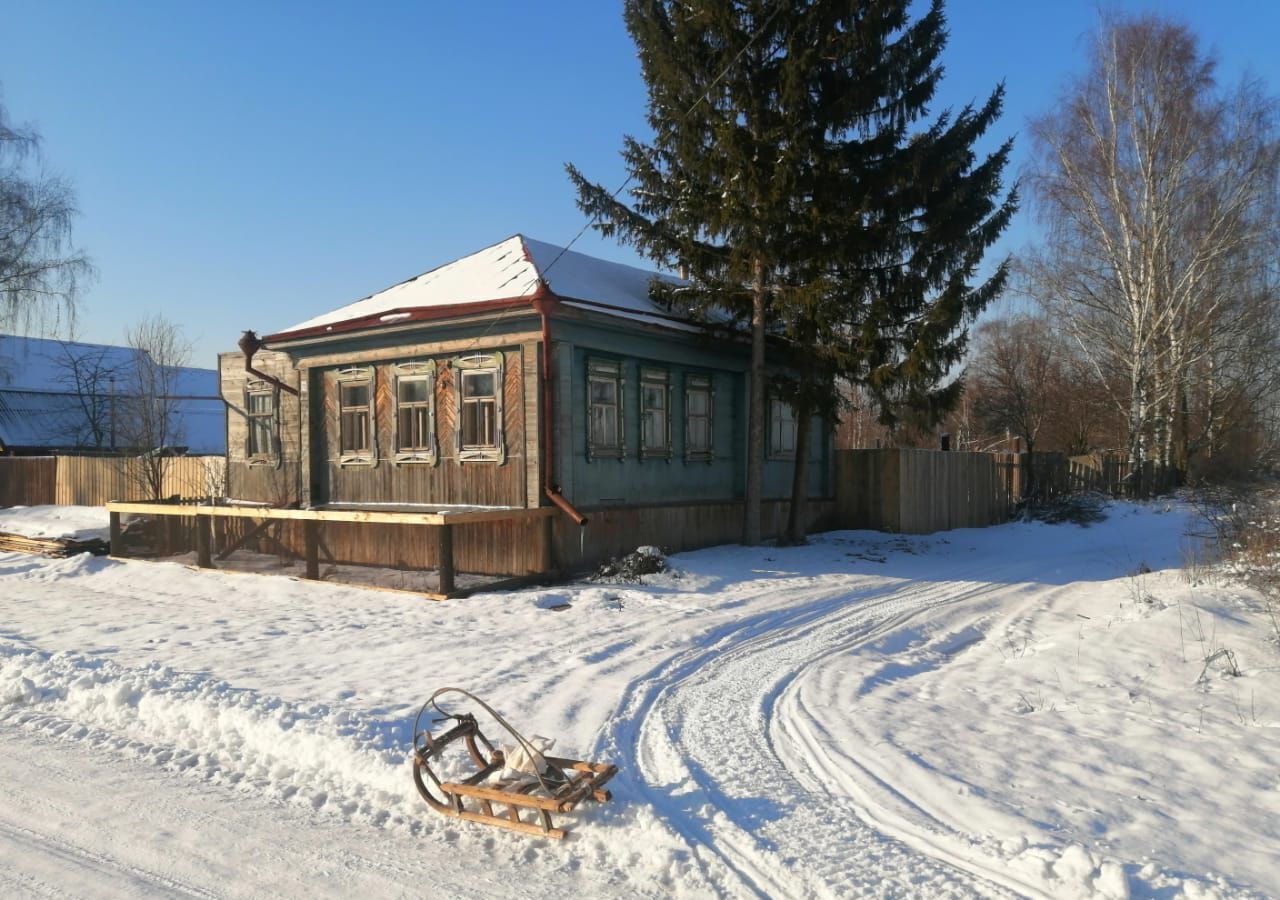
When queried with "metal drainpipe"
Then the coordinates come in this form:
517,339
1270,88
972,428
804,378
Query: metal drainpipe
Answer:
251,344
542,304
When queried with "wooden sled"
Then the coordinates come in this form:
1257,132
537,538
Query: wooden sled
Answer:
556,788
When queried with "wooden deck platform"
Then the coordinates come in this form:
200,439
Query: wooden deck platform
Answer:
440,519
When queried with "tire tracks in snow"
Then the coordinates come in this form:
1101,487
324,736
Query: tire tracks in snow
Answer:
696,738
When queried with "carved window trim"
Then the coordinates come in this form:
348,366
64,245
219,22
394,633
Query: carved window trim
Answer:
466,368
699,384
270,420
428,453
655,383
349,377
782,429
606,372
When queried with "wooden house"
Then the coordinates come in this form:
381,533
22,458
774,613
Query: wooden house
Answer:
520,376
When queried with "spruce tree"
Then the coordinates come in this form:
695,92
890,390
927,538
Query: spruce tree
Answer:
897,214
789,178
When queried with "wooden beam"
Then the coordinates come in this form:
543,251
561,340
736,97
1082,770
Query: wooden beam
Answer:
443,516
444,558
311,536
203,559
245,538
402,351
117,546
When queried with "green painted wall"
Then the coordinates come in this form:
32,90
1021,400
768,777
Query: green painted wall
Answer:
632,480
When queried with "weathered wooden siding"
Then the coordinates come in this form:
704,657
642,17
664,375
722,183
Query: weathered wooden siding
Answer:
448,481
487,548
28,480
278,483
611,532
921,491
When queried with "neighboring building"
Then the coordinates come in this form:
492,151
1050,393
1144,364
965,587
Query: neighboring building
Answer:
518,376
70,397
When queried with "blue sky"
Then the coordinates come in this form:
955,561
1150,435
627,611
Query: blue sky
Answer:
249,165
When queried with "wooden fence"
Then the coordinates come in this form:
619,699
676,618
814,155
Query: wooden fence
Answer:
921,491
1115,475
28,480
93,480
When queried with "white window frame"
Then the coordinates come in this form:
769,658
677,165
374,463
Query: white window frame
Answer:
704,384
480,364
606,371
660,379
782,429
347,377
270,455
428,452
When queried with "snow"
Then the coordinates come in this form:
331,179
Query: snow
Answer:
1018,710
509,270
76,523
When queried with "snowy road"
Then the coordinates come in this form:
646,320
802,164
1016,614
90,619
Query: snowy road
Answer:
867,716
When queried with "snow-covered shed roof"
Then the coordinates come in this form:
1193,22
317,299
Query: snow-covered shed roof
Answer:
511,270
39,391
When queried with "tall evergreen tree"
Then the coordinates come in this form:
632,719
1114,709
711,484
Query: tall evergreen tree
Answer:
785,179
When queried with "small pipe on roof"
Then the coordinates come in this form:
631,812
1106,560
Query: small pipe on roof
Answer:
249,345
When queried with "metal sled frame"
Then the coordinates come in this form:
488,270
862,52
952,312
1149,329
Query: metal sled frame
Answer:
565,784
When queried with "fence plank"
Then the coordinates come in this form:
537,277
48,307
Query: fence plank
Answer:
93,480
28,480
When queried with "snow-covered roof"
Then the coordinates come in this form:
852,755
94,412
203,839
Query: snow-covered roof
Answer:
509,270
44,411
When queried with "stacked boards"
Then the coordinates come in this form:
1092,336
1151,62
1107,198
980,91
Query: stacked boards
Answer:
53,547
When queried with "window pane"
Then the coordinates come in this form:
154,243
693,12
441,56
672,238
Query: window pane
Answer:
259,403
655,429
477,384
355,431
604,427
655,397
478,424
699,435
604,391
699,403
413,390
355,394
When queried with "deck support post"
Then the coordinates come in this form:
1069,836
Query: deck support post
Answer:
117,546
444,557
204,558
311,537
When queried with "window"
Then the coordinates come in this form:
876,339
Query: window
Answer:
479,427
260,410
356,439
655,414
782,429
698,404
416,412
604,410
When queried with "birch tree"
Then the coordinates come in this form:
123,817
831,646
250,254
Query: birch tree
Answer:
153,421
1158,190
41,271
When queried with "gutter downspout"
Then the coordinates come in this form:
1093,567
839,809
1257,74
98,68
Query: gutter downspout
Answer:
250,344
543,302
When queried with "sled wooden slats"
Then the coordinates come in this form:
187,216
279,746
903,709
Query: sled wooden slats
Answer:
551,804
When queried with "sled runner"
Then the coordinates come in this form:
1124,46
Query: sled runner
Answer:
506,783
